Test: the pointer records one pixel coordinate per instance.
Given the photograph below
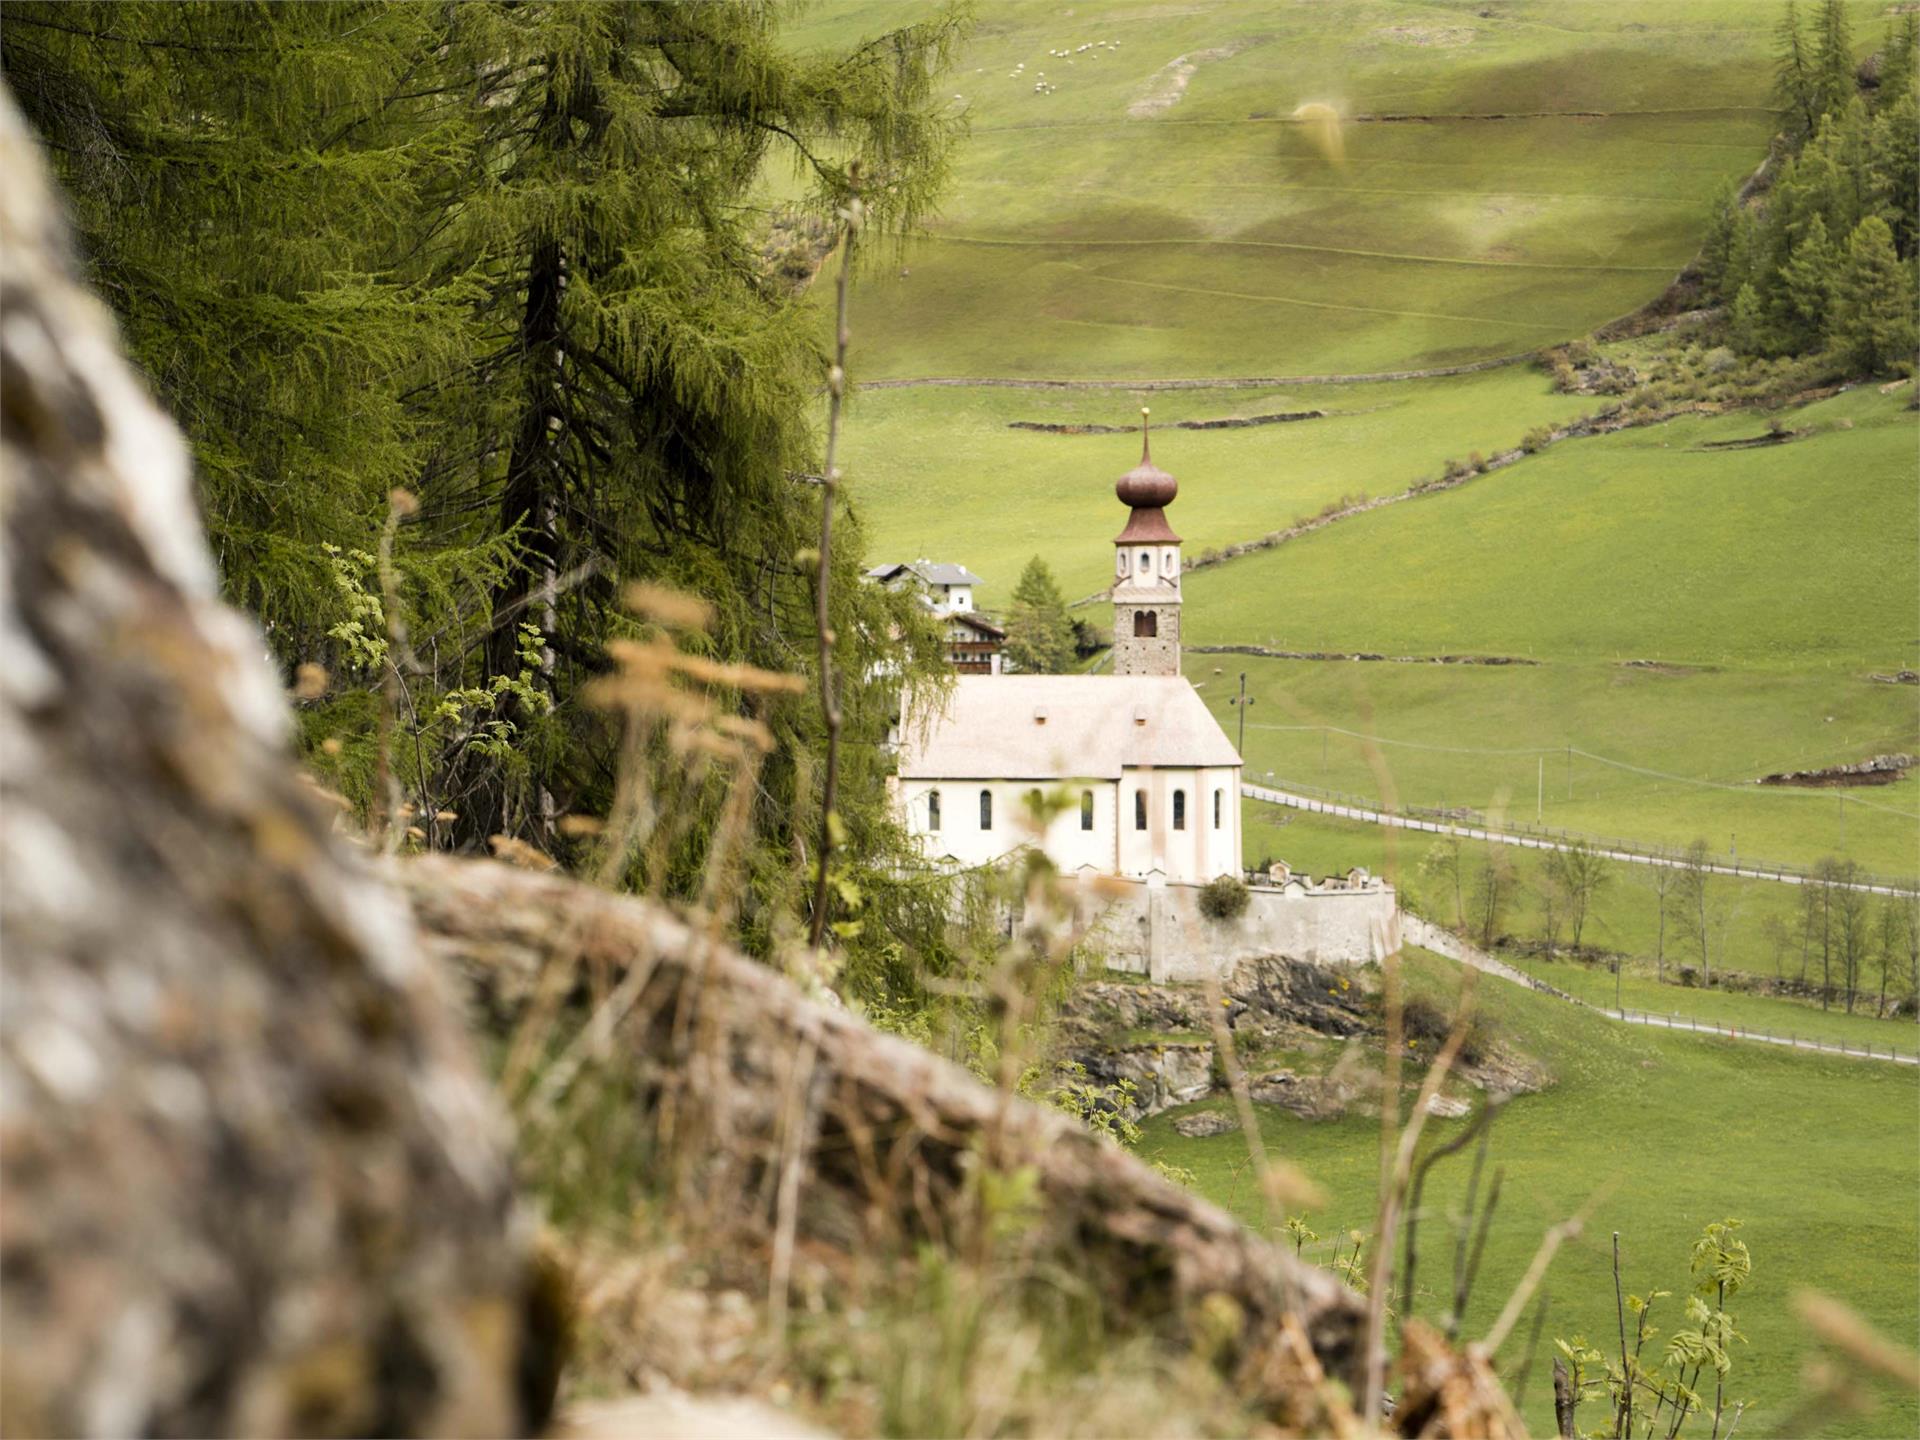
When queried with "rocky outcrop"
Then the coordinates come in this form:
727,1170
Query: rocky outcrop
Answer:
1880,770
1162,1075
254,1182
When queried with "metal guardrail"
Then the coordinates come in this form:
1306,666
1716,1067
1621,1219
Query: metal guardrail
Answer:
1866,1050
1318,800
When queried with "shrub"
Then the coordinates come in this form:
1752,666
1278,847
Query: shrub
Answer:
1427,1024
1223,898
1476,462
1536,439
1721,359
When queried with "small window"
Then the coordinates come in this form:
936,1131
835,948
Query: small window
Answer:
1146,561
1179,809
1139,809
986,810
1146,624
933,810
1086,809
1219,798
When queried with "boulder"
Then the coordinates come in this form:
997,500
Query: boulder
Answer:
1204,1123
255,1182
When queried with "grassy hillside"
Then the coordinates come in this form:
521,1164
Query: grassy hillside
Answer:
1159,210
1769,582
1671,1132
937,472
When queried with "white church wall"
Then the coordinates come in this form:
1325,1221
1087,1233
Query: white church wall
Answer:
961,837
1196,852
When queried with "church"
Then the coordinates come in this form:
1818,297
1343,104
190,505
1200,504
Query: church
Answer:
1145,783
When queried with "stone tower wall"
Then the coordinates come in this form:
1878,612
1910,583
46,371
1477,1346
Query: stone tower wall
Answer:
1138,656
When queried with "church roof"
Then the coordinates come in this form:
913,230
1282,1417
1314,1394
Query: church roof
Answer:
1061,727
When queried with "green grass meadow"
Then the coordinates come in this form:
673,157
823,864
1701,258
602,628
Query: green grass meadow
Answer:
938,472
1557,176
1662,1133
1771,601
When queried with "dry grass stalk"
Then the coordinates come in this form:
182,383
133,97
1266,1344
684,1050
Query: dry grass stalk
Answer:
1840,1326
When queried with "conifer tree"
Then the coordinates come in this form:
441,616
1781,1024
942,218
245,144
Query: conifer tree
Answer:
1039,632
1875,326
502,257
1806,289
1793,84
1832,77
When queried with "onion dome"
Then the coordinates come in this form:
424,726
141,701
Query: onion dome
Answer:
1145,489
1146,485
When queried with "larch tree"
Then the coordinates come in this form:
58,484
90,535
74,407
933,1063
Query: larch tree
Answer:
1691,895
1873,319
504,260
1039,632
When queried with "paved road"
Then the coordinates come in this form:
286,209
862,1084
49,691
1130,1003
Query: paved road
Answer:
1760,1037
1529,842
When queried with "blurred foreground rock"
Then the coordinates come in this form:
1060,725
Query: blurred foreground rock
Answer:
251,1181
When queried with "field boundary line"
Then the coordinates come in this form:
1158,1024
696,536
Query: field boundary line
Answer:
1428,936
1082,243
1524,840
1223,382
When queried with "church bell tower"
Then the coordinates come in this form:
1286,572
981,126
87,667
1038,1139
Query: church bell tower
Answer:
1146,571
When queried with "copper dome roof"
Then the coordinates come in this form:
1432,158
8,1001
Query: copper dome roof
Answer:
1146,485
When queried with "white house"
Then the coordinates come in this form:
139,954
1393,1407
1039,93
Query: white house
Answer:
1149,782
946,588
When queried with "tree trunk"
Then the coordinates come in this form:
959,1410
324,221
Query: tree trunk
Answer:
1564,1401
892,1131
254,1182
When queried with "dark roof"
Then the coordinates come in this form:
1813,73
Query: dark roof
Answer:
1147,525
931,571
976,622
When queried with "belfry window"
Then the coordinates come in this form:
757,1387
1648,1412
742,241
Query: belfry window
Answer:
1139,809
1146,624
933,810
1086,809
1219,797
986,810
1179,809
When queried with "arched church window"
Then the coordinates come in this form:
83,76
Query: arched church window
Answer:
1219,798
1146,624
1146,562
1086,809
1179,809
1139,809
986,810
933,810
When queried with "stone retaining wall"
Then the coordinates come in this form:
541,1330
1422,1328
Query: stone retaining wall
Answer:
1157,930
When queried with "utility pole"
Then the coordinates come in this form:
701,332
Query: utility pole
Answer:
1540,794
1243,702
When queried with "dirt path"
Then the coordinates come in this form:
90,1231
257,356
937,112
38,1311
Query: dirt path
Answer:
1539,842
